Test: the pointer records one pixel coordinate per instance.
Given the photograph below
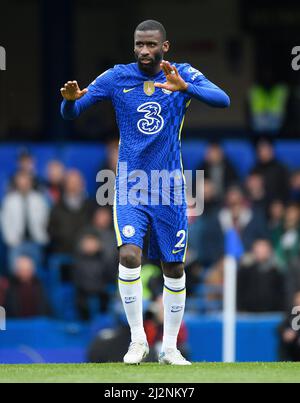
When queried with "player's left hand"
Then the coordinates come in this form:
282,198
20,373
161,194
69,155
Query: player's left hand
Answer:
174,81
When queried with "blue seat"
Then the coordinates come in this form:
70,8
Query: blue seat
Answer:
42,153
8,158
193,153
288,152
241,154
4,179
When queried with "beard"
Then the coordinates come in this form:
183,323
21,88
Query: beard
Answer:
151,66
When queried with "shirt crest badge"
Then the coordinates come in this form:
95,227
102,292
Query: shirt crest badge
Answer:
149,88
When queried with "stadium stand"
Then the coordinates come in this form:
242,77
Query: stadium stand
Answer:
88,158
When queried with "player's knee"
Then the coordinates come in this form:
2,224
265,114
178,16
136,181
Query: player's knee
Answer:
130,256
173,270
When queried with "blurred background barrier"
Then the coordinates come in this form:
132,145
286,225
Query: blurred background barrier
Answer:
43,340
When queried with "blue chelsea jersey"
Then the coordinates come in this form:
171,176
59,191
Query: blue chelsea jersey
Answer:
150,119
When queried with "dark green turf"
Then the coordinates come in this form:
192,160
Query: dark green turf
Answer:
198,373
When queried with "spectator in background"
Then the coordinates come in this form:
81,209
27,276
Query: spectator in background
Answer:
24,220
26,163
25,296
275,174
286,238
72,213
293,279
260,285
219,170
102,227
211,202
295,187
112,156
255,191
289,337
55,181
214,279
276,216
92,271
207,233
206,241
4,284
237,215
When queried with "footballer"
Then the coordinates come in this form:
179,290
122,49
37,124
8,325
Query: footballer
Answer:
150,98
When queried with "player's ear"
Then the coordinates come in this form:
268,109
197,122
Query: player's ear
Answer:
166,46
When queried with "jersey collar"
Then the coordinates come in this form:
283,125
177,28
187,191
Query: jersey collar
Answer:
152,78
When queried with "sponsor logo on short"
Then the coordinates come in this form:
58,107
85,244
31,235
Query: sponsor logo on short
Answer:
130,300
176,308
128,231
177,251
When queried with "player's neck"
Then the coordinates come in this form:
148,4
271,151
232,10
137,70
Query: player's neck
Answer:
153,72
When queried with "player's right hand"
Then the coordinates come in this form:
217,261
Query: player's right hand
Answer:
72,92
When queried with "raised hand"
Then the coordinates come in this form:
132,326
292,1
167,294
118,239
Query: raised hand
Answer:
72,92
174,81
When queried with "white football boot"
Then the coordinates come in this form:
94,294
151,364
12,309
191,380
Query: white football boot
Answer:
137,353
172,357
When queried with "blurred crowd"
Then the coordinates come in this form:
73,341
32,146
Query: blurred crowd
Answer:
49,220
53,219
264,212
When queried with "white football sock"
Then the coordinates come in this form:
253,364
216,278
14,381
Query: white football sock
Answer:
174,304
131,291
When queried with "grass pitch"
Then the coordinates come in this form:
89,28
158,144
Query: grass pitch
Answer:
152,373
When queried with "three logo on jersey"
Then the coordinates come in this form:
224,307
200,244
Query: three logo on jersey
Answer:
152,122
